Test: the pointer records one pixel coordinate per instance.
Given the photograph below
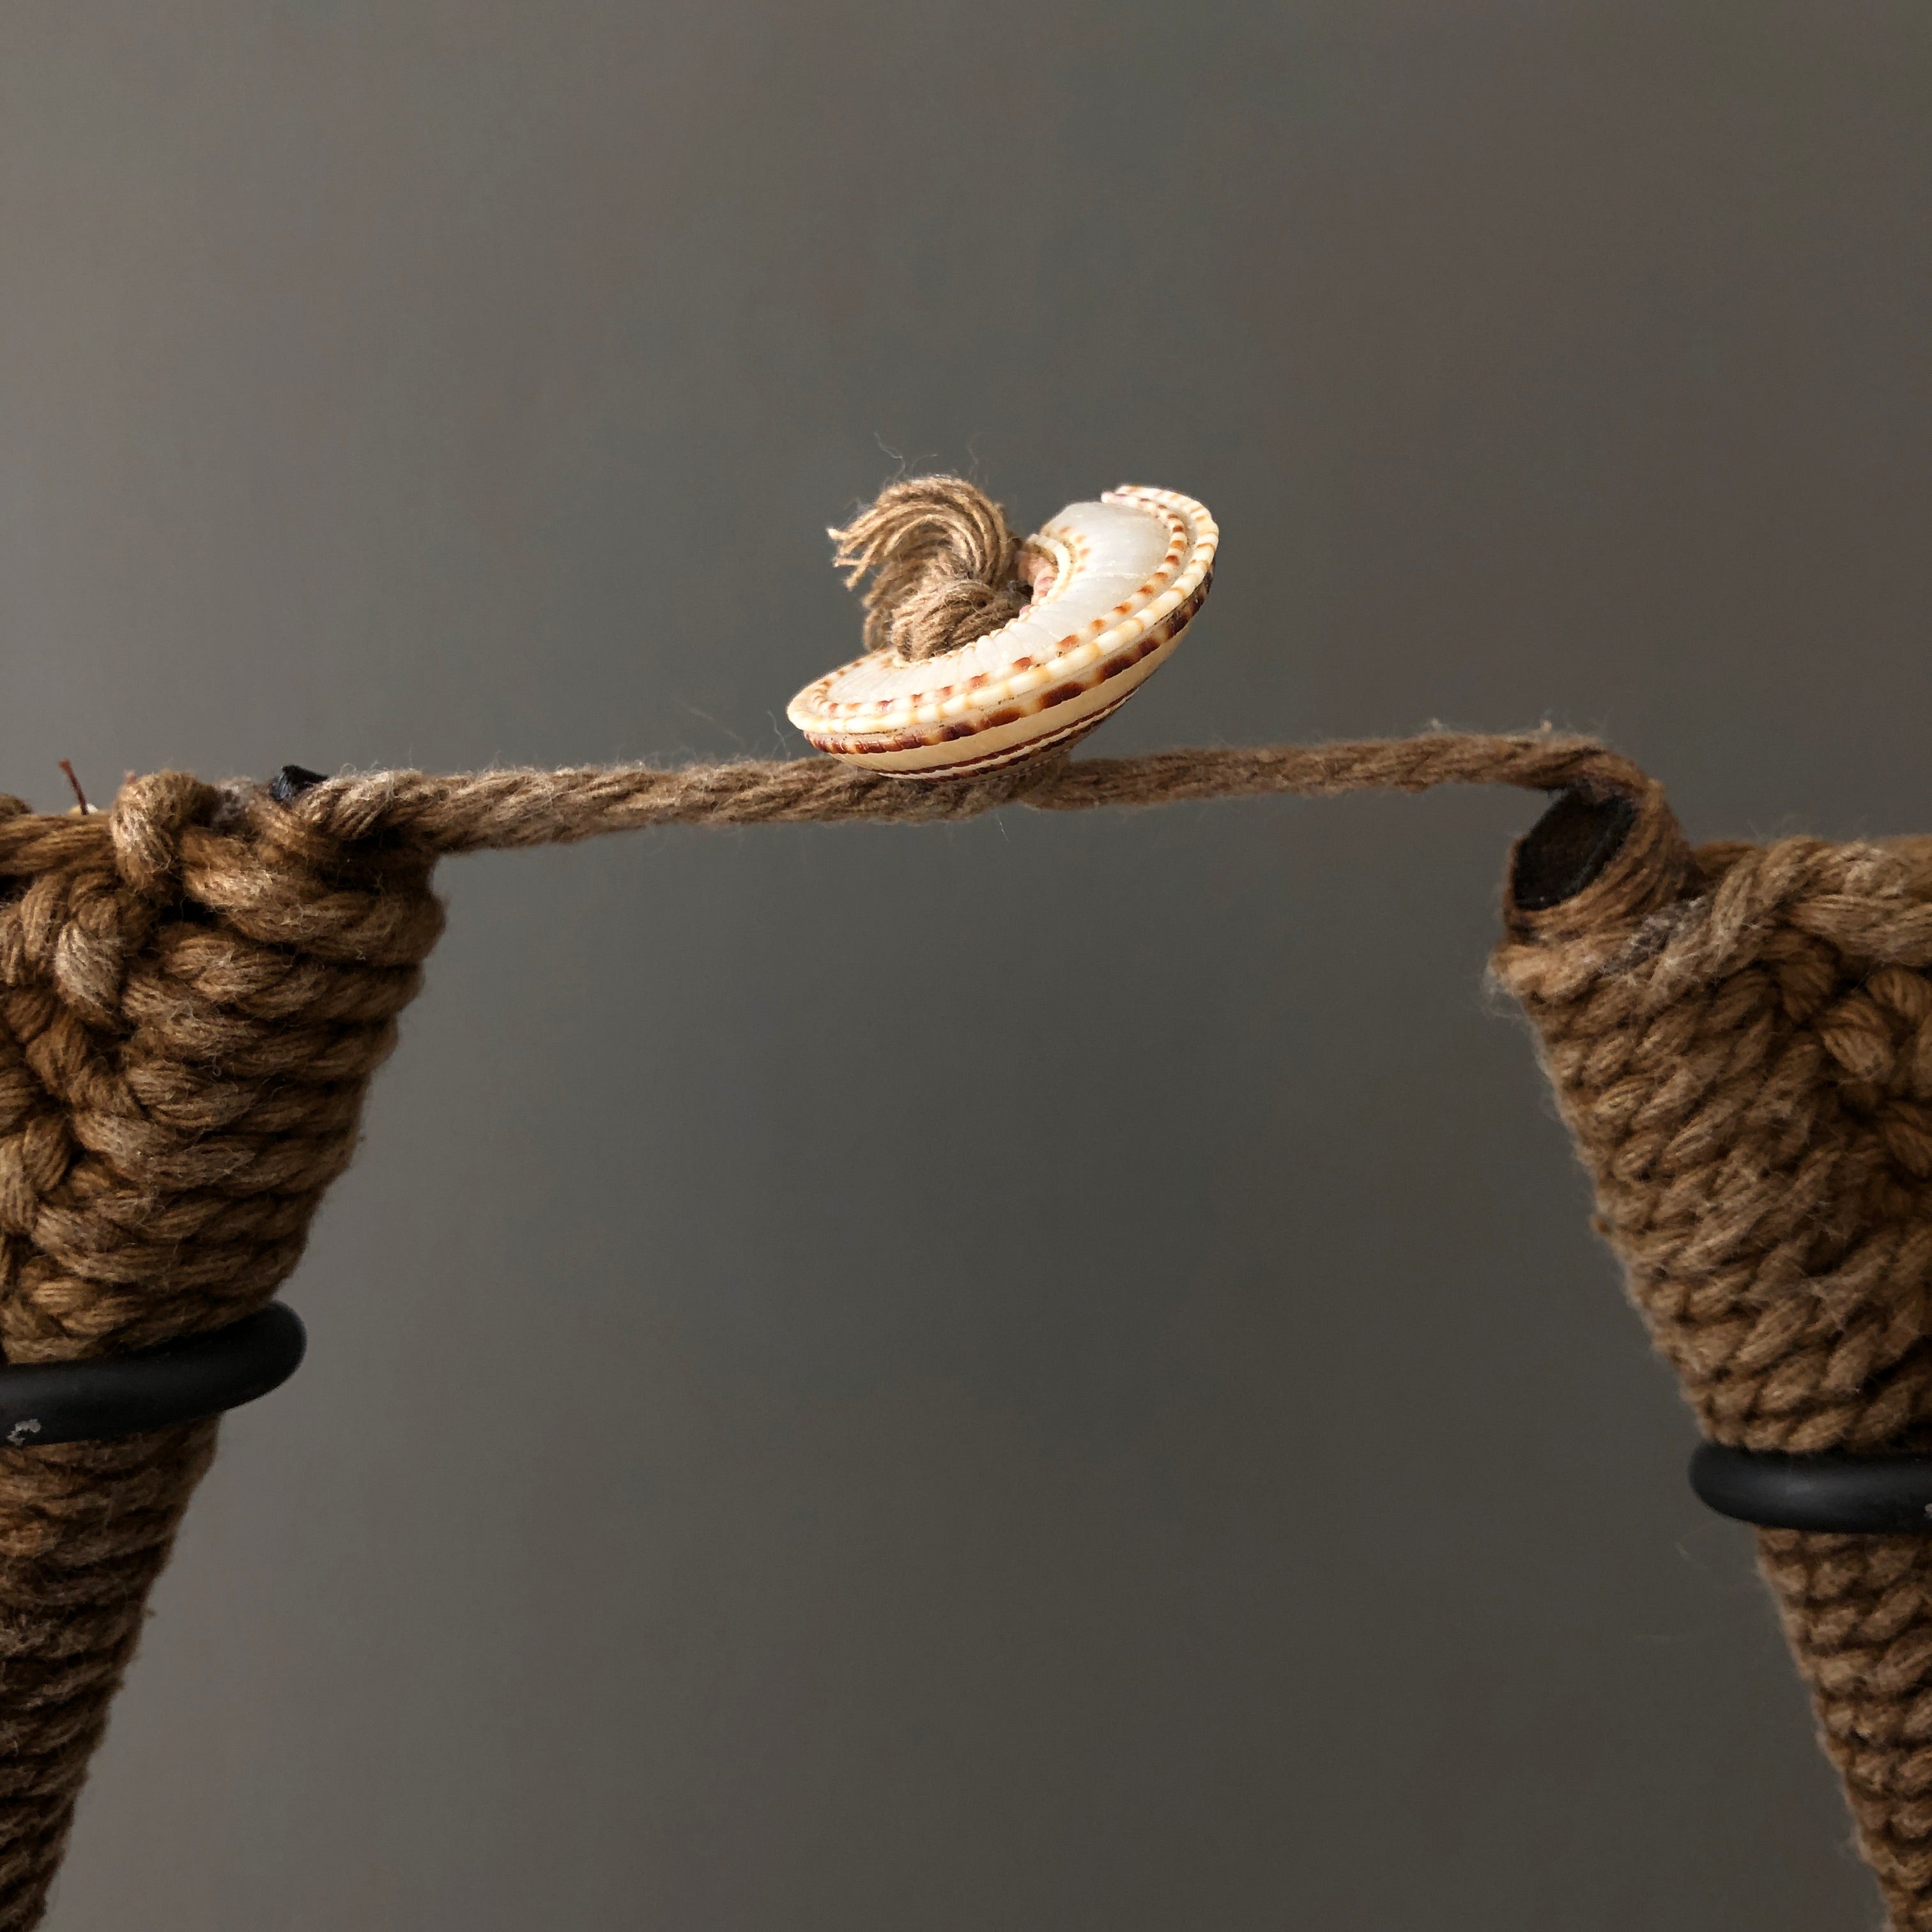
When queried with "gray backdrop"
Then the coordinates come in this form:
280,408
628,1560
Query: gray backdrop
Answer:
765,1461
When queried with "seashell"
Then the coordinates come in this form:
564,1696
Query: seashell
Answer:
1114,584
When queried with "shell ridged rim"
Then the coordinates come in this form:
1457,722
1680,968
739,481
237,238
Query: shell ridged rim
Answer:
847,725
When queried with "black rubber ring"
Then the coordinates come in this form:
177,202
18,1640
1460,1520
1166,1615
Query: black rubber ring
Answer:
42,1402
1862,1495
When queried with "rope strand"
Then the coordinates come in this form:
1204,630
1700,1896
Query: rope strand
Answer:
481,810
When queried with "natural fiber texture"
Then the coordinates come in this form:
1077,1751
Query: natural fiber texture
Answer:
1741,1043
942,558
494,809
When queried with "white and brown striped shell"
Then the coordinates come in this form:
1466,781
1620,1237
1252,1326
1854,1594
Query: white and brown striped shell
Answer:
1115,583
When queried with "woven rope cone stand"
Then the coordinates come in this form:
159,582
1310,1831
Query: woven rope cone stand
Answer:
195,986
1741,1041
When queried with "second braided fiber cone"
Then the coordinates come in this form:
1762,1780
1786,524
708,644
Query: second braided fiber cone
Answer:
1740,1039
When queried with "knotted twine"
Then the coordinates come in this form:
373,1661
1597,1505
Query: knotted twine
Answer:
943,562
195,986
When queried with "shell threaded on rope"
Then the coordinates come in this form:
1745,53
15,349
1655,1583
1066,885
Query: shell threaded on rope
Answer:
983,650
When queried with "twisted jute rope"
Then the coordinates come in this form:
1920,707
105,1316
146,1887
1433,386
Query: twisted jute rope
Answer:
197,985
944,564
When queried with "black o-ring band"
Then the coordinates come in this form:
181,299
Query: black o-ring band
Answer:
107,1395
1872,1495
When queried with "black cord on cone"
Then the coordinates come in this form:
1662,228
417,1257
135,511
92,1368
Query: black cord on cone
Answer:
43,1403
1873,1495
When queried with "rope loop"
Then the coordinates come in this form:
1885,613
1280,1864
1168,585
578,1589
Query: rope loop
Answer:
146,822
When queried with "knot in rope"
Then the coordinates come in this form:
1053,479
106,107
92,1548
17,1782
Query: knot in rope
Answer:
943,561
146,823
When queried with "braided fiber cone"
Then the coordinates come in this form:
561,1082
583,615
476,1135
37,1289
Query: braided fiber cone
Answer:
185,1040
1741,1041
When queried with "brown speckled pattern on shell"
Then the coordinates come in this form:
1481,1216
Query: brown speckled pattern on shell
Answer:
1168,628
